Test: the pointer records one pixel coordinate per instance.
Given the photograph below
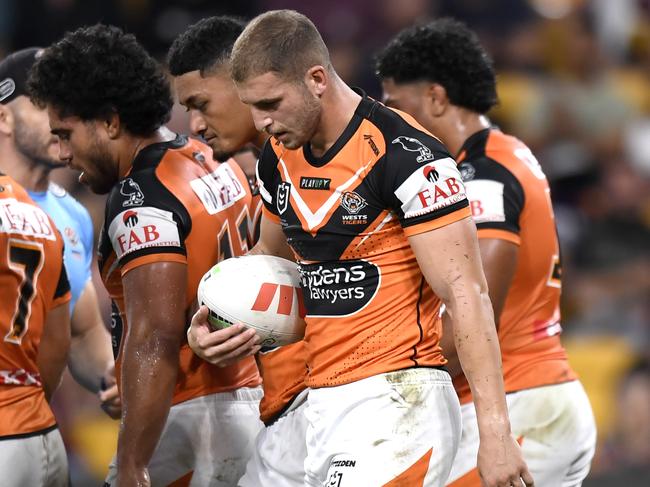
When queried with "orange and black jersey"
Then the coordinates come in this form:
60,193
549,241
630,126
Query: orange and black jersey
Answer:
510,200
347,216
178,205
284,372
33,282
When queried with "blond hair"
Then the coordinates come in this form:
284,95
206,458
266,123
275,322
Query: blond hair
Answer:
284,42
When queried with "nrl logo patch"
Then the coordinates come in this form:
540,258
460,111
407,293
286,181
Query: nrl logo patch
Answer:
282,197
132,191
414,145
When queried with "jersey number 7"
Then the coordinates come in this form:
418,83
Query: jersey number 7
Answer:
26,260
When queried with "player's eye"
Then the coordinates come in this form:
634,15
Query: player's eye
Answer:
268,106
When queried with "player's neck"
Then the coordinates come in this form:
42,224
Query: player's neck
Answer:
464,124
132,145
26,172
338,110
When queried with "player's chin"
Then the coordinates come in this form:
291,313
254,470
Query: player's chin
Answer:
221,155
292,143
220,152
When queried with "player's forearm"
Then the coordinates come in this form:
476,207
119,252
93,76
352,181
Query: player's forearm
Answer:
54,348
90,356
51,363
449,347
149,370
478,350
272,241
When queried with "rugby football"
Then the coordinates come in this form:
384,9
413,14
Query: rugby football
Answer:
261,291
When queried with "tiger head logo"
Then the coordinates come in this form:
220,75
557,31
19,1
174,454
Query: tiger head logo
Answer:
352,202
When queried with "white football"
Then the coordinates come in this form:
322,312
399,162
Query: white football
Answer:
261,291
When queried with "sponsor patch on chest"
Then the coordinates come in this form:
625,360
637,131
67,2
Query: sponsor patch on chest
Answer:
218,190
340,288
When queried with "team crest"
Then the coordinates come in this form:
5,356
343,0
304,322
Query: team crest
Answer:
132,191
414,145
352,202
282,200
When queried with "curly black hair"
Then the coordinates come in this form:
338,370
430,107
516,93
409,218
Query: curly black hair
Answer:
99,70
204,45
446,52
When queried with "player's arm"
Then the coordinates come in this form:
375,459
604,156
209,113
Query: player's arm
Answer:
228,345
91,355
499,259
155,298
54,347
272,240
498,201
450,261
55,340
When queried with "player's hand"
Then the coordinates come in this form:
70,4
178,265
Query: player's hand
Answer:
132,477
221,347
109,396
501,464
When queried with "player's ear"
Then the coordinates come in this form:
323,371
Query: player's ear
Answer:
437,95
316,79
6,120
112,125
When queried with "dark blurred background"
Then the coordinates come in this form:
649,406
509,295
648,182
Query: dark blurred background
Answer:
574,84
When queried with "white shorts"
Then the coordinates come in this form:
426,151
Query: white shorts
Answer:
401,427
212,436
37,461
556,428
280,450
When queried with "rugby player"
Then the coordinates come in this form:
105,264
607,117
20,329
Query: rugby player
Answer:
107,102
35,334
374,209
441,75
29,154
199,60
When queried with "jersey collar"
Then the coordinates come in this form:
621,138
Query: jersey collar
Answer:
474,146
362,111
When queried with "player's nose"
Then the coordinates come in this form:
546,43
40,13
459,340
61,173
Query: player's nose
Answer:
65,153
261,120
197,123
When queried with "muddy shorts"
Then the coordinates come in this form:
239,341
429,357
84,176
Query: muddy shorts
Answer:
398,428
556,429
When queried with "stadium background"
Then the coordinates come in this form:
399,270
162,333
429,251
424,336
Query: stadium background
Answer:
574,84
